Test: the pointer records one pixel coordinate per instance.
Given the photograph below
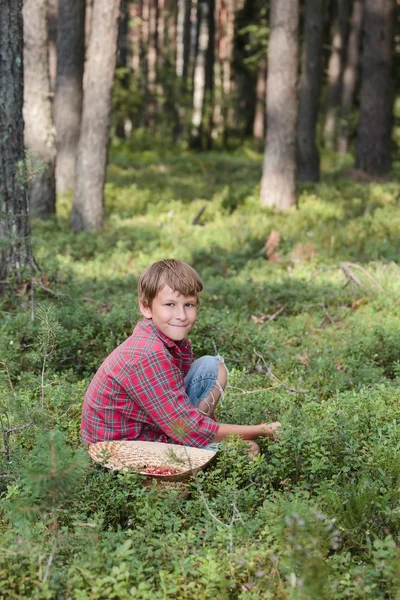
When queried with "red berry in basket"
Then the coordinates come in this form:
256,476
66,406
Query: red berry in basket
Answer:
160,471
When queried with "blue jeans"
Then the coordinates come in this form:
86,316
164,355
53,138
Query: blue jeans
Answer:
200,380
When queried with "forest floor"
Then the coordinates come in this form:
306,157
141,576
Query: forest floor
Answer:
303,305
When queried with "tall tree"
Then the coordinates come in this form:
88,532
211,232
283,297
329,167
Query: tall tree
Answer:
309,92
69,88
376,96
199,77
123,52
350,74
39,129
87,209
15,247
151,51
259,113
339,28
278,184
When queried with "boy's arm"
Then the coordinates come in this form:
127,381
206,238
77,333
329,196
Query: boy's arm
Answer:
246,432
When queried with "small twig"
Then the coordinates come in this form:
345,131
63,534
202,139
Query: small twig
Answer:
199,215
274,378
49,291
20,428
349,274
233,387
32,300
276,314
51,558
4,363
355,266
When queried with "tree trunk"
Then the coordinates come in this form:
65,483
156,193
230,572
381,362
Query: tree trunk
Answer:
123,48
278,184
52,26
376,96
335,69
186,39
259,115
210,66
199,78
309,92
69,92
87,209
39,130
152,65
350,74
180,30
15,247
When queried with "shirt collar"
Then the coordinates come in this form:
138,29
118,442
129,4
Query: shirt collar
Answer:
148,324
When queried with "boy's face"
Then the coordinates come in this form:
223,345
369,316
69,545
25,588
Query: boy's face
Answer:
172,313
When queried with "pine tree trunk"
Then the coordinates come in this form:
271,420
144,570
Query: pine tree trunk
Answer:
135,35
15,247
376,96
278,184
123,60
180,30
39,130
350,74
309,92
87,209
69,91
186,39
152,65
335,69
199,77
210,66
259,115
52,26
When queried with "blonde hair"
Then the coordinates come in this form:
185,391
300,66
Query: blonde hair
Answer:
180,277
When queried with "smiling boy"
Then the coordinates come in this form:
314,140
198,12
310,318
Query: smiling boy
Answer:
150,388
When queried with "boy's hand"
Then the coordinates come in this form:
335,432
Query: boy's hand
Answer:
269,429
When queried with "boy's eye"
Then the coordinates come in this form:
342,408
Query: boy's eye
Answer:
189,304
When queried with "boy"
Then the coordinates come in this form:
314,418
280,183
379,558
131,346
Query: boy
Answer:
149,388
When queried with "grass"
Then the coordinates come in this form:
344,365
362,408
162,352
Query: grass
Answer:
310,338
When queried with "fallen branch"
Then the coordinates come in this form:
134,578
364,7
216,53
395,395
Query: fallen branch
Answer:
355,266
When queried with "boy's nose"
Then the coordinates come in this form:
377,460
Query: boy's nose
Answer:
181,313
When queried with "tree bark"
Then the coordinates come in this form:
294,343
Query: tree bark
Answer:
180,37
152,65
259,114
39,129
123,50
52,26
15,248
186,39
350,74
309,92
69,89
335,69
210,66
376,96
87,210
278,184
199,77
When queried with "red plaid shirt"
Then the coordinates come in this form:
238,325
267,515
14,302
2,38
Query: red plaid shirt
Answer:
139,394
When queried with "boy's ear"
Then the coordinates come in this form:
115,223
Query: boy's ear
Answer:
145,309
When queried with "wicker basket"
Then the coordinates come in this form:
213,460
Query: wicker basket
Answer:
139,456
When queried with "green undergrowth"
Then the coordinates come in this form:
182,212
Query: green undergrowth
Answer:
311,338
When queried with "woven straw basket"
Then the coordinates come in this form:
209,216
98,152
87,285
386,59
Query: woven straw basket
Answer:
139,456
